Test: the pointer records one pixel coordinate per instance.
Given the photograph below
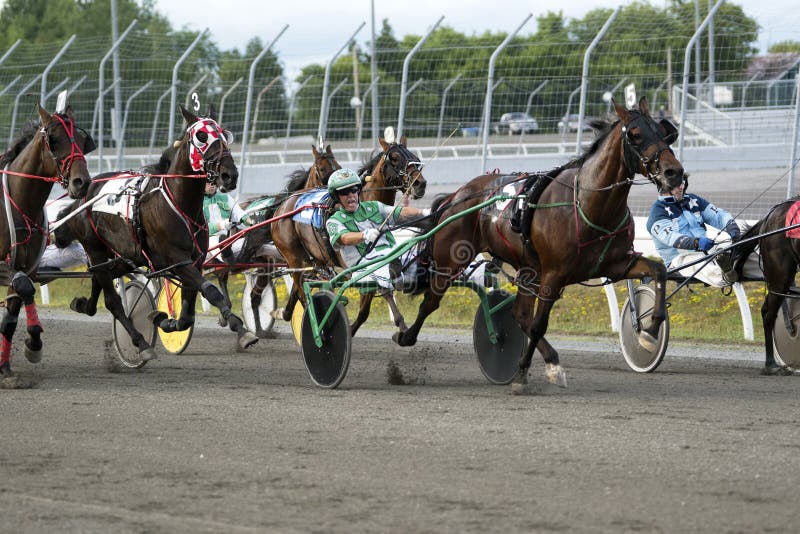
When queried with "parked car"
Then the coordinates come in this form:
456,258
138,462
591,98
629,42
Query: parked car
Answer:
516,123
571,123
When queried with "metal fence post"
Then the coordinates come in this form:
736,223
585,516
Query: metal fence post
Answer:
102,92
155,120
330,97
793,157
261,93
585,77
487,105
49,67
249,102
97,106
10,50
404,83
442,106
323,110
291,110
174,94
121,141
528,105
686,60
374,74
372,93
236,84
16,106
55,89
8,87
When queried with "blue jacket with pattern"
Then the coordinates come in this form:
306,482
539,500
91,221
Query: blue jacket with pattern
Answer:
677,224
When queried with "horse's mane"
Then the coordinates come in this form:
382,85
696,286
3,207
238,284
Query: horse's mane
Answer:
604,129
369,165
297,180
163,163
28,132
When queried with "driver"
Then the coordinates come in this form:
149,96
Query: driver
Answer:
357,231
222,214
677,224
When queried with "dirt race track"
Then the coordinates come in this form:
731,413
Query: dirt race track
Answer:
218,441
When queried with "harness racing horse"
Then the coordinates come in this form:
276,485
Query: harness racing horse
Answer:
46,152
581,229
393,169
780,257
263,208
166,231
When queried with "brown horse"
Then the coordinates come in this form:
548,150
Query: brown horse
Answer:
166,232
393,169
263,208
780,257
581,229
51,150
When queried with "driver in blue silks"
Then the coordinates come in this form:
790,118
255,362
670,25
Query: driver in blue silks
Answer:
677,224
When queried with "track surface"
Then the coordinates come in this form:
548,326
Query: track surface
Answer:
219,441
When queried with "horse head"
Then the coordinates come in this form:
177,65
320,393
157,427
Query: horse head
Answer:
67,145
400,168
324,165
646,146
209,149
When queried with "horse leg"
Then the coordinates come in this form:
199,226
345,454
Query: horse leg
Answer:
24,288
294,295
656,270
7,327
222,277
536,326
364,304
769,314
256,294
192,278
430,303
399,321
113,303
88,306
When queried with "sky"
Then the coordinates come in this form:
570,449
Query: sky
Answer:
318,29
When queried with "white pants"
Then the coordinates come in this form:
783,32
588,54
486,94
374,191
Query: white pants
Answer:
711,273
63,258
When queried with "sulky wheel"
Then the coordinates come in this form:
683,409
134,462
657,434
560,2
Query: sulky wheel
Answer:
327,365
169,302
499,362
787,340
297,322
637,357
265,308
138,304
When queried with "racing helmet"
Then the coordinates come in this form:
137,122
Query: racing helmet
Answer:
343,179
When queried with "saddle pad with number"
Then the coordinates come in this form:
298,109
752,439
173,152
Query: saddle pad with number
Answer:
118,195
313,216
792,218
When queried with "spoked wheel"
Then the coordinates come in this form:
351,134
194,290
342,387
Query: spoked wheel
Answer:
138,303
327,365
637,357
499,362
787,343
169,302
267,305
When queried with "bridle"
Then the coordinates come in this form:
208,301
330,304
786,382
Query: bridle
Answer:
199,148
76,153
401,179
633,154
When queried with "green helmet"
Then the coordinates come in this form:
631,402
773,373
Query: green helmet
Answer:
342,179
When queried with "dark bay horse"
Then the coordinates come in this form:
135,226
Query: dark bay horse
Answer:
780,257
167,232
581,230
263,208
49,151
393,169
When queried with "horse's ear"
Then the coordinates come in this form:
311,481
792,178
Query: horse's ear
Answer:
314,151
622,113
402,140
384,144
644,107
44,115
328,150
212,112
188,116
69,113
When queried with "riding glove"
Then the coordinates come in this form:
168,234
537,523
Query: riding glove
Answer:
370,235
703,243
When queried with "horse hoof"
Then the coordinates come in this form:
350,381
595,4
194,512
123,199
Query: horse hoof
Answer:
555,374
777,370
520,384
247,339
157,316
222,321
15,382
647,342
33,356
148,354
78,304
277,313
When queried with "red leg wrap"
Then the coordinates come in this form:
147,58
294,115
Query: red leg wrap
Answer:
5,349
33,315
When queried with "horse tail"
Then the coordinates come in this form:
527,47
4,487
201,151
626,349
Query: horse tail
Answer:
741,252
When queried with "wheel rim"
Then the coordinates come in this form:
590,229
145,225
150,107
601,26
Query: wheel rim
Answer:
327,365
174,342
499,362
140,304
637,358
